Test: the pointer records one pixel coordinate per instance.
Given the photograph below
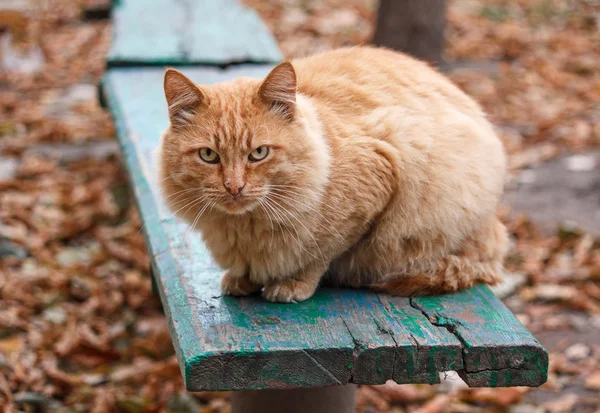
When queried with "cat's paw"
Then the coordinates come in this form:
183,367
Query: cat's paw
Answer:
233,284
289,291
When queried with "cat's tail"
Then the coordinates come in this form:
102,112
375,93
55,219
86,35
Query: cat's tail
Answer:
459,275
480,261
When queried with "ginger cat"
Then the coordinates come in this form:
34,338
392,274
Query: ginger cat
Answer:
361,166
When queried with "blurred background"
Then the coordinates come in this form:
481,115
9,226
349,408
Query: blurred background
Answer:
79,328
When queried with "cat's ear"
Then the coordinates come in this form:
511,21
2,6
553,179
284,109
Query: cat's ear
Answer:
278,90
183,97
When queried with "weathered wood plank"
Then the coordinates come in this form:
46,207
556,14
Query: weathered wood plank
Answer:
336,337
497,349
431,346
167,32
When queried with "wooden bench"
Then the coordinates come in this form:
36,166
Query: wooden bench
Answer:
338,337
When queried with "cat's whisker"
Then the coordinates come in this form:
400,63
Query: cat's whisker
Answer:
175,203
192,202
198,215
274,218
325,205
170,177
331,230
291,201
169,206
182,191
186,211
296,238
304,226
260,202
338,237
301,191
284,210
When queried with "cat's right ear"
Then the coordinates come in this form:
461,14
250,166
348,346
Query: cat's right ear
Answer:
184,98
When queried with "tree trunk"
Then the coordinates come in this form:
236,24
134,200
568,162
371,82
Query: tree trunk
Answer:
415,27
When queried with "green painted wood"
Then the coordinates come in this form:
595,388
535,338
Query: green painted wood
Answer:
338,336
491,336
176,32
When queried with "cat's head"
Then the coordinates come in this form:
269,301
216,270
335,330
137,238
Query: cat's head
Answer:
241,146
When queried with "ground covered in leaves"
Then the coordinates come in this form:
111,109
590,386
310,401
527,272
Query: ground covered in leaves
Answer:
79,328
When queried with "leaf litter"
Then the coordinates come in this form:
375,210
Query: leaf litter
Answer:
80,330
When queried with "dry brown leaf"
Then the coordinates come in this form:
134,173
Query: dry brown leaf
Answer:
5,388
549,292
593,380
563,404
104,401
501,396
69,340
366,396
11,344
60,376
404,393
435,405
542,90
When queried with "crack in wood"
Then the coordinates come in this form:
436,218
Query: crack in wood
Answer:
450,327
390,332
322,367
357,347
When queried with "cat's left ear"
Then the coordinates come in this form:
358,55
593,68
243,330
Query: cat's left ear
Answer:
278,90
183,97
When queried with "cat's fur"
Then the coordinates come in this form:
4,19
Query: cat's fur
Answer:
381,173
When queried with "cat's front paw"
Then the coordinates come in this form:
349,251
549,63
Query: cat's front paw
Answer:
289,291
238,285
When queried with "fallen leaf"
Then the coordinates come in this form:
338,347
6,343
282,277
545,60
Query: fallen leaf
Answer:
500,396
578,351
435,405
404,393
69,340
366,396
563,404
549,292
11,344
593,380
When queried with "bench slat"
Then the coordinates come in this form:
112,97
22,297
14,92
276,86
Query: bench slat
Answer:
167,32
336,337
491,336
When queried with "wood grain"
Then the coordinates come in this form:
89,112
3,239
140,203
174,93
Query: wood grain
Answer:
168,32
491,336
336,337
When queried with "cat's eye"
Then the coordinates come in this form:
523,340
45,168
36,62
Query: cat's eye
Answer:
259,154
208,155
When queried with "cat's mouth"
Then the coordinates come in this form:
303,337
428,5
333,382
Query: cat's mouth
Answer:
239,205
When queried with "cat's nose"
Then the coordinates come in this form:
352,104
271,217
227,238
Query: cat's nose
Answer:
234,188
